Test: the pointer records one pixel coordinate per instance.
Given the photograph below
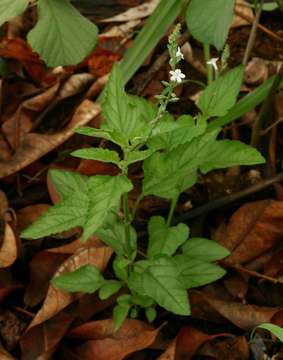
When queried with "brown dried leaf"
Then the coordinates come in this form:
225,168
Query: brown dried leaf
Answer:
252,230
4,355
245,10
37,145
27,215
57,299
9,248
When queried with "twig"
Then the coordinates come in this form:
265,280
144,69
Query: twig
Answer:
252,36
251,272
265,108
213,205
261,27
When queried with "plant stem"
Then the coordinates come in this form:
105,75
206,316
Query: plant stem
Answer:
206,50
172,209
136,205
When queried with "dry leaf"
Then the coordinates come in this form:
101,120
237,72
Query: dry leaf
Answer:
9,248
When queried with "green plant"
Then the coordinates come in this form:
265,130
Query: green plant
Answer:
172,151
274,329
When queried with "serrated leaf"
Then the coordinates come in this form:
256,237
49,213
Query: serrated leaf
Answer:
194,272
135,156
10,9
209,21
226,153
204,249
120,313
87,208
62,36
108,288
85,279
161,282
163,239
115,136
97,154
115,237
67,182
222,93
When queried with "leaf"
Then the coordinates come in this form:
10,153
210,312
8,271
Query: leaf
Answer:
114,235
11,9
204,249
226,153
98,154
161,282
120,313
4,68
85,279
163,239
86,208
276,330
62,36
209,21
244,105
222,93
108,288
9,246
67,182
135,156
114,136
194,272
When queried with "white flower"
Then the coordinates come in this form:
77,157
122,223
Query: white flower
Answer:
213,63
179,53
177,75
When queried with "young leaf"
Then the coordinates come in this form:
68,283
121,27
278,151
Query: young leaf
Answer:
222,93
150,314
85,279
120,313
135,156
226,153
62,36
204,249
161,281
274,329
194,272
97,154
87,208
108,288
163,239
10,9
209,20
67,182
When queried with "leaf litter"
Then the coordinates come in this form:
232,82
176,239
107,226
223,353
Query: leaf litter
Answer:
232,307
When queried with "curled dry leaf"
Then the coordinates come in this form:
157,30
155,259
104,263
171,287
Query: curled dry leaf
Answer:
9,248
36,145
105,344
252,230
242,7
187,343
57,299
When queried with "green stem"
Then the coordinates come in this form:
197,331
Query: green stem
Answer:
206,50
136,205
172,209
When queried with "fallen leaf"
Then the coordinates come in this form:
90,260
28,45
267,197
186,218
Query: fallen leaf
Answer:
27,215
242,7
36,145
7,283
4,355
9,248
57,299
252,230
105,344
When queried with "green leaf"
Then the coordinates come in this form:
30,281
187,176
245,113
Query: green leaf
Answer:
67,182
161,281
222,93
4,68
85,279
120,271
114,136
244,105
194,272
98,154
10,9
150,314
209,21
135,156
115,237
163,239
226,153
87,208
108,288
62,36
143,301
276,330
120,313
204,249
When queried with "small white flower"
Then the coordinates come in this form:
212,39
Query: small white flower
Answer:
177,75
179,53
213,63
